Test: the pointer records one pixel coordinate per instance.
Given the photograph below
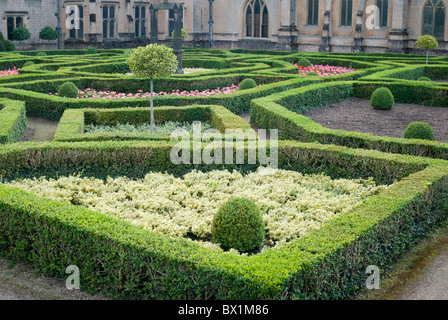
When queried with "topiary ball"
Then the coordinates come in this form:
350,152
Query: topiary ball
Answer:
304,63
41,54
424,79
29,63
68,90
247,84
91,50
382,99
312,74
419,130
238,225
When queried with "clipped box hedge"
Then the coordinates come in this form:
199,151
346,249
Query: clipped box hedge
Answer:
73,121
125,261
13,120
283,111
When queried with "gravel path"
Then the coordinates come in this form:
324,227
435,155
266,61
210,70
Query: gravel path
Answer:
432,284
39,129
19,282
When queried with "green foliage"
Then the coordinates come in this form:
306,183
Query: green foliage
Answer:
247,84
393,219
21,33
162,128
48,33
70,127
9,45
91,50
382,99
2,43
361,54
419,130
13,120
152,61
68,90
427,42
184,34
424,79
239,225
29,63
304,63
41,54
312,74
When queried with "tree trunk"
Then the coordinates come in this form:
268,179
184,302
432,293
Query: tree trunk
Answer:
151,127
427,56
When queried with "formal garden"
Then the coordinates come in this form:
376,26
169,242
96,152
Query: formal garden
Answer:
362,170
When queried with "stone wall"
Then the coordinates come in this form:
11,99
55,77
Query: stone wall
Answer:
288,25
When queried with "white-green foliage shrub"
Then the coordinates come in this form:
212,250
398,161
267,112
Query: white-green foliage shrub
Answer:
163,128
292,204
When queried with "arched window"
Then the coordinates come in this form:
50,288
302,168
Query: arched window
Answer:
434,14
313,12
140,21
108,22
346,12
383,5
257,19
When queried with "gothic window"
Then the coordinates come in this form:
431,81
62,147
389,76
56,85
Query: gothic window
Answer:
140,21
257,19
109,22
313,12
346,12
434,14
383,5
13,22
76,30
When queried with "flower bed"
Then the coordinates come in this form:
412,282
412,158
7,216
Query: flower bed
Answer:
94,94
9,72
162,128
324,70
292,204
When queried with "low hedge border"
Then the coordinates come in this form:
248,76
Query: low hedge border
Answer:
281,111
124,261
72,124
52,107
13,120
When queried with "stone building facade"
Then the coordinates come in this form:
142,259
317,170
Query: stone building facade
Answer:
303,25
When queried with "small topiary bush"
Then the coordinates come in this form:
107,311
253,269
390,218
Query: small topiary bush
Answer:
41,54
382,99
361,54
91,50
48,33
68,90
9,45
304,63
29,63
238,225
419,130
20,34
247,84
424,79
312,74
